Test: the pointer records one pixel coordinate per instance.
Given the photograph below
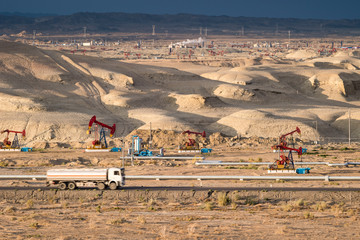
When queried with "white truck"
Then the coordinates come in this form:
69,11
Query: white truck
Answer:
81,177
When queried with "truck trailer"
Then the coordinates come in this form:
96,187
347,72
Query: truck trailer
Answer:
81,177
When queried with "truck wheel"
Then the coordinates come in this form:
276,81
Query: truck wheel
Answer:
101,186
71,186
62,186
113,186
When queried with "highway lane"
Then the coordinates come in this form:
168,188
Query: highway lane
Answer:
188,188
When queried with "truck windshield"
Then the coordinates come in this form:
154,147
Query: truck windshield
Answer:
116,172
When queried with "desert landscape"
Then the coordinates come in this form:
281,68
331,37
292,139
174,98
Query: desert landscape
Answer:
243,92
177,209
53,93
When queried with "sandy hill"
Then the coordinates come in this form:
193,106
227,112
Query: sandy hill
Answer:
53,95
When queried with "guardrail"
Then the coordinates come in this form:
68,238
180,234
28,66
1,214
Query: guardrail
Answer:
242,178
217,163
164,158
200,178
22,177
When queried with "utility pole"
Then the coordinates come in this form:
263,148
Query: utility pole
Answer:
123,152
289,32
349,127
206,31
132,153
150,139
34,35
153,32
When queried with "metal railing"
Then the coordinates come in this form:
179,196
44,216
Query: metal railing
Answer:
242,178
164,158
220,163
200,178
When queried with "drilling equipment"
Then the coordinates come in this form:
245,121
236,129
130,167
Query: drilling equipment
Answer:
100,139
285,162
192,144
6,144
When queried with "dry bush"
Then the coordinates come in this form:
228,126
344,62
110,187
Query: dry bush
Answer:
35,225
65,238
300,203
29,204
308,215
3,164
163,232
281,230
338,209
119,221
151,202
9,209
141,219
209,206
53,200
320,206
250,201
191,229
294,205
187,218
236,197
351,212
64,204
223,199
98,208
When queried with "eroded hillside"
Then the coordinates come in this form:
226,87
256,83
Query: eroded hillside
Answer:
53,94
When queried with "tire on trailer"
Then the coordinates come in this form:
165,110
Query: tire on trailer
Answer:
101,185
62,186
71,185
113,186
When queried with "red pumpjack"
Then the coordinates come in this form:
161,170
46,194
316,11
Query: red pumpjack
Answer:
285,162
15,143
192,144
100,141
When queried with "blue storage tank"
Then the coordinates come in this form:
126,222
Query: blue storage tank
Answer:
303,170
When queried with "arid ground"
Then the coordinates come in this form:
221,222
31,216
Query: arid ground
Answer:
140,212
243,94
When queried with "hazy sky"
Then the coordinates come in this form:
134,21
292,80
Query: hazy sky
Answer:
324,9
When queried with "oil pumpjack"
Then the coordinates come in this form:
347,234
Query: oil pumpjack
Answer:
191,145
99,144
285,163
14,145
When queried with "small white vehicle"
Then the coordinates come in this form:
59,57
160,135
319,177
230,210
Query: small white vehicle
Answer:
81,177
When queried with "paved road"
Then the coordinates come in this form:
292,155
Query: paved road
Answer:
169,188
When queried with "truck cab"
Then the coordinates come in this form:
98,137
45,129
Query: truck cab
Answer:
116,175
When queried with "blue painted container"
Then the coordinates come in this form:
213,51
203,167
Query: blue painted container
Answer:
206,150
303,170
26,149
115,149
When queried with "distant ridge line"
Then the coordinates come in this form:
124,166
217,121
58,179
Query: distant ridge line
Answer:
12,23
